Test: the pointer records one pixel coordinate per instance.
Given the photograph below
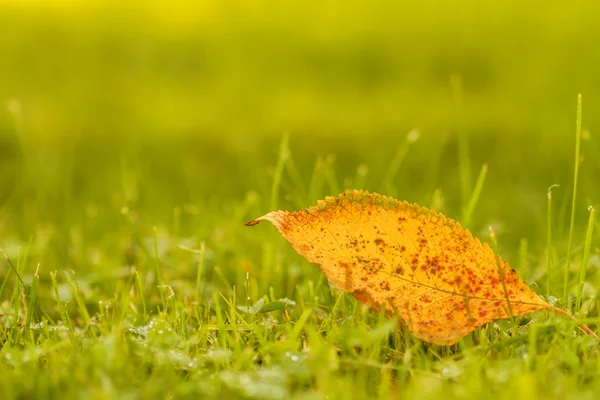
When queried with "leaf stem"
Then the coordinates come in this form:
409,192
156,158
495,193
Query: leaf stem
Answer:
581,326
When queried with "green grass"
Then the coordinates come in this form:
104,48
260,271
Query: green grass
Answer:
135,142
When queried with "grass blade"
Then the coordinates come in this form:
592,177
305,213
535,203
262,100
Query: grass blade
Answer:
586,255
572,225
12,266
281,162
464,159
32,299
549,243
394,167
468,210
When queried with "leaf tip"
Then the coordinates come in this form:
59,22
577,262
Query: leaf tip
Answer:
253,222
273,217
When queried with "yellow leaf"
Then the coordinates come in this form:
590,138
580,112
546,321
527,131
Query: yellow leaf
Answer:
409,260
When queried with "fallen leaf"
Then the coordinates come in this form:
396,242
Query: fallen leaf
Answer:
409,260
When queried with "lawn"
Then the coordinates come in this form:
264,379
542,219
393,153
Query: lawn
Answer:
136,140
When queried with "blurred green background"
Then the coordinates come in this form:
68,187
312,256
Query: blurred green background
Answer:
171,114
